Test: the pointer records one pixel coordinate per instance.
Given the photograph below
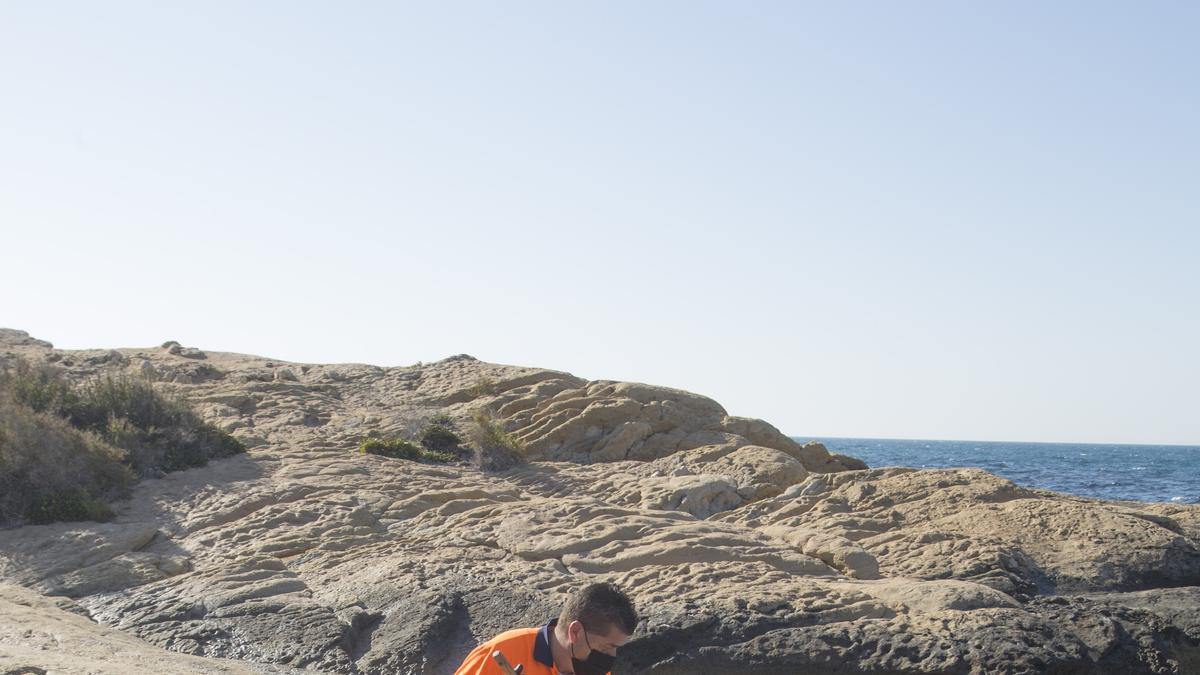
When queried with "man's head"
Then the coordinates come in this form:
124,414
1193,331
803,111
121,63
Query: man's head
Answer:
594,623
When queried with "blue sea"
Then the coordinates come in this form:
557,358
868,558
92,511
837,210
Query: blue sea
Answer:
1148,473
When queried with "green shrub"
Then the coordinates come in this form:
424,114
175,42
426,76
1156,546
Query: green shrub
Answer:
402,449
440,438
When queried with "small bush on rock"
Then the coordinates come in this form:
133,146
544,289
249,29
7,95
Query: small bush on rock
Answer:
490,433
496,449
440,438
402,449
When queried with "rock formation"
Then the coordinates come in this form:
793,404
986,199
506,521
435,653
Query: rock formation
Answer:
745,551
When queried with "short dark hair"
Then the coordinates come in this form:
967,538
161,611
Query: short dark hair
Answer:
599,607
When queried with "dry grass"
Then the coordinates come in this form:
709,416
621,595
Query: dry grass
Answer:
496,449
489,433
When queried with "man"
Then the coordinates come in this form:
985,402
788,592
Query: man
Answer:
583,640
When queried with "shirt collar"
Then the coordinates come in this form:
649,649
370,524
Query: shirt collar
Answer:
541,644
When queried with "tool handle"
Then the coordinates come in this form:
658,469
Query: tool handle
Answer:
505,666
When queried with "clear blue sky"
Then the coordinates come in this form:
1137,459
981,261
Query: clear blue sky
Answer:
922,220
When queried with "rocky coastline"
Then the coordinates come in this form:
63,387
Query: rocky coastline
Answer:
745,551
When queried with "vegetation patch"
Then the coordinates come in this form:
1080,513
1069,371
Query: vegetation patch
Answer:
41,387
71,504
488,433
161,433
495,449
439,437
398,448
434,440
51,471
66,449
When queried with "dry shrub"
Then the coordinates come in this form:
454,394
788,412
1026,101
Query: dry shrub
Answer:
161,432
496,449
50,471
65,449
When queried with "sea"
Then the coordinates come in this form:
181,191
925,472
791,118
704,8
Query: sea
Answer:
1145,473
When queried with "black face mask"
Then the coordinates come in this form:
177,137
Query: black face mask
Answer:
597,663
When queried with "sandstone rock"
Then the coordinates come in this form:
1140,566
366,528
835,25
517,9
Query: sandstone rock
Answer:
820,460
746,552
760,472
1085,546
174,348
33,554
938,597
19,338
37,635
110,356
701,496
837,552
610,421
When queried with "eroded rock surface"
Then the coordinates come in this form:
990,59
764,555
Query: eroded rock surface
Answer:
43,635
745,551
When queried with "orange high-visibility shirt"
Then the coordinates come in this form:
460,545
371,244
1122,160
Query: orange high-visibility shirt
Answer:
527,646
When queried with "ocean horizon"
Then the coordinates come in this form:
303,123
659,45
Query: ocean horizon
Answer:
1120,472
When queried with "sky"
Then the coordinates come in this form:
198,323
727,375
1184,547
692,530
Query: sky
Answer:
868,219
